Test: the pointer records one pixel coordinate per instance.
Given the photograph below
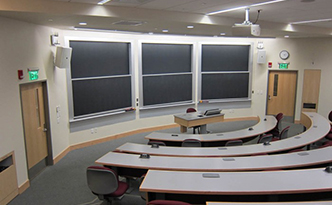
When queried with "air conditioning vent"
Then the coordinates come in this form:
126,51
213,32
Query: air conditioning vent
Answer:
129,23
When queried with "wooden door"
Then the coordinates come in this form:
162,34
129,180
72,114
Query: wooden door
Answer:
282,93
32,98
310,91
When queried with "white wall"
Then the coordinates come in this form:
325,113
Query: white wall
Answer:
23,46
26,45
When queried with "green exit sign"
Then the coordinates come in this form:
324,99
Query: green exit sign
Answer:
283,65
33,74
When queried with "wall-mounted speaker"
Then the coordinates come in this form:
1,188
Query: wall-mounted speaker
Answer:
261,57
63,57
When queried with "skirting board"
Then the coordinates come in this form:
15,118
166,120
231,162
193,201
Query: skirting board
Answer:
23,186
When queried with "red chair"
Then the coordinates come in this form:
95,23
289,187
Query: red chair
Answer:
276,130
283,134
191,143
295,150
104,183
234,143
189,110
326,144
167,202
160,143
265,138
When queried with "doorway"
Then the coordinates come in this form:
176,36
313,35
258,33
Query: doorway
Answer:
36,124
282,94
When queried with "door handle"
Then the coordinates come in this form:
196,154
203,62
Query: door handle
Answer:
269,97
45,128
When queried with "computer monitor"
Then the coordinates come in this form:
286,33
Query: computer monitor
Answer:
215,111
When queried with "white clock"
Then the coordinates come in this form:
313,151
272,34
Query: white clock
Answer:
284,55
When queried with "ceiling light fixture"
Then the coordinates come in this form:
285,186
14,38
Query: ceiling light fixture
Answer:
190,26
165,31
243,7
82,23
311,21
103,2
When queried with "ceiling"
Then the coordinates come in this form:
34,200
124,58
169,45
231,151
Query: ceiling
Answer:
154,16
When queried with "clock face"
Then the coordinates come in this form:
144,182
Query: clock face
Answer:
284,55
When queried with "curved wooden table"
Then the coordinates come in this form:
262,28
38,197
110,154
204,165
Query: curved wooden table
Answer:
319,127
264,125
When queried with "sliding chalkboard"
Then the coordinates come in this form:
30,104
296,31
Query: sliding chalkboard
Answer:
90,59
99,95
166,73
225,57
225,71
225,85
100,77
166,58
167,89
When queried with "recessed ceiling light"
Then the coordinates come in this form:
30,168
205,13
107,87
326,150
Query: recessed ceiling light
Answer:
307,1
82,23
190,26
310,21
165,30
286,36
244,7
103,2
222,34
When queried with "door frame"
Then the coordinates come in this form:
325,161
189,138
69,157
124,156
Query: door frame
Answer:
49,158
267,90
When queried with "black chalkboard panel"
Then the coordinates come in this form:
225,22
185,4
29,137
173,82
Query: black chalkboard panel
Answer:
90,58
166,58
167,89
99,95
225,85
225,57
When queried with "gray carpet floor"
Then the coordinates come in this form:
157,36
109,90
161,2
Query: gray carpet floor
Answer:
65,182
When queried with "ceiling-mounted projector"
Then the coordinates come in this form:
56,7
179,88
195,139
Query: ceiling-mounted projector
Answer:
246,28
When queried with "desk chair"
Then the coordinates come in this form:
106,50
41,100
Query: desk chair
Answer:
234,143
189,110
283,134
160,143
329,135
191,143
276,130
167,202
104,183
265,138
326,144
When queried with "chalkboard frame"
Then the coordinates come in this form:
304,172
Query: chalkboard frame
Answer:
72,117
141,75
201,73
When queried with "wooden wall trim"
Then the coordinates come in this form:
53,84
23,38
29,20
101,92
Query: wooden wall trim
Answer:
23,186
121,135
61,155
125,134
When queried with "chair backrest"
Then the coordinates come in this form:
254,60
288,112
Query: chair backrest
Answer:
330,116
234,143
279,117
191,143
284,133
102,180
167,202
191,110
160,143
265,138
